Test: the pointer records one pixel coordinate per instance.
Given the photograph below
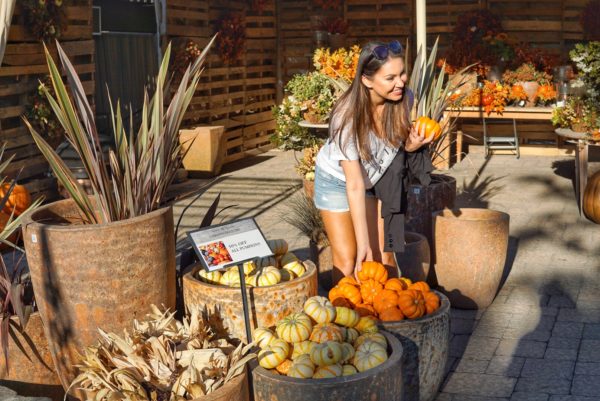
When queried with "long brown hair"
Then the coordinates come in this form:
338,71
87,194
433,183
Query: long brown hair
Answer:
353,109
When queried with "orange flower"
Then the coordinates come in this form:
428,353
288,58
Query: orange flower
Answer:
546,93
517,93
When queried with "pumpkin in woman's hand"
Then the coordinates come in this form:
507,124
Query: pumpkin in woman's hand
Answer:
385,299
411,303
432,301
18,201
369,289
371,270
432,127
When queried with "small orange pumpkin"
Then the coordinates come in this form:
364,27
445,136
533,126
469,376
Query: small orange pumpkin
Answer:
385,299
18,201
348,280
411,303
390,314
368,290
432,127
371,270
432,301
420,286
365,310
395,284
351,293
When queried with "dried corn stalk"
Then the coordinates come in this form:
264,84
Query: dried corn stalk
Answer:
161,360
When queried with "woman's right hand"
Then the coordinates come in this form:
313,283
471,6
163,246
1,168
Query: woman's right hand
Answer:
362,255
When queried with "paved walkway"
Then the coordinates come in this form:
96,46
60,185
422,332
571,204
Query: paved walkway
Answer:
540,339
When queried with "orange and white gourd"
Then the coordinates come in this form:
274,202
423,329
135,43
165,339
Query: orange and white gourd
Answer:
210,277
263,337
302,348
319,309
302,367
346,316
328,372
324,332
325,354
231,278
350,335
268,276
347,352
273,354
375,337
369,355
295,267
295,328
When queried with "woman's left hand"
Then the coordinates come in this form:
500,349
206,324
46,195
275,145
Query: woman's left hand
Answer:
416,138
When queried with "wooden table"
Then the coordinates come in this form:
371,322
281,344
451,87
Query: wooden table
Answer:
510,113
581,159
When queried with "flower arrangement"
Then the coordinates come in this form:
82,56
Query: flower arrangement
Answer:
42,117
231,37
590,15
334,26
339,64
525,73
185,56
546,94
306,165
328,4
311,97
45,19
586,57
578,114
471,42
517,94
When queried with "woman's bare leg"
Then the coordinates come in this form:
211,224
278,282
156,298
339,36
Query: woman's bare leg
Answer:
340,233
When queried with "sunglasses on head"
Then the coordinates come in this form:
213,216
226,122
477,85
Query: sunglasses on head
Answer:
382,52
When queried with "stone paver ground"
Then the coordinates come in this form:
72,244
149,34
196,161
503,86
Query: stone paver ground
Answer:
540,339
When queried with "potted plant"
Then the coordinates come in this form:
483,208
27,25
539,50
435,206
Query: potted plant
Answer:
98,260
162,358
336,29
529,78
306,169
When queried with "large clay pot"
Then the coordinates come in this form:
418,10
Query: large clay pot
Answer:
424,200
322,256
234,390
415,261
470,251
267,304
30,370
98,275
383,382
591,198
530,88
426,343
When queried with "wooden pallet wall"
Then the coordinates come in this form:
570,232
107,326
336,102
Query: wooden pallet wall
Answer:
239,96
23,65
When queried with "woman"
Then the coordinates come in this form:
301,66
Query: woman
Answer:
369,125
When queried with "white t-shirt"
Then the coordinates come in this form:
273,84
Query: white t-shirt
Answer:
330,155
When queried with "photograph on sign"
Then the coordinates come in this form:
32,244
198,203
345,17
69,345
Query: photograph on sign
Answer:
227,244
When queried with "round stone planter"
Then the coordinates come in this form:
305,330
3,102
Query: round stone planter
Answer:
234,390
98,275
321,255
426,343
415,261
30,370
383,382
267,304
470,252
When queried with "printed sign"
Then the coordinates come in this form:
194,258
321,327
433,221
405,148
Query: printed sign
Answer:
227,244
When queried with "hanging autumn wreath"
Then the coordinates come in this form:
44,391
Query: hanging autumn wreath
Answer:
231,38
45,19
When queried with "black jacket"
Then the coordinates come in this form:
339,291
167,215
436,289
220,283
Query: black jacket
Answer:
406,168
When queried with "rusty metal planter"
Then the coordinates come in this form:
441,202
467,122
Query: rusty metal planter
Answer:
415,261
470,252
267,304
426,343
90,276
31,370
234,390
383,382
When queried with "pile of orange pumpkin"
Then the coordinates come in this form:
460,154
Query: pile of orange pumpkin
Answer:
388,299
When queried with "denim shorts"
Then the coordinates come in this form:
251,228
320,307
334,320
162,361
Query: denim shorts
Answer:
330,192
